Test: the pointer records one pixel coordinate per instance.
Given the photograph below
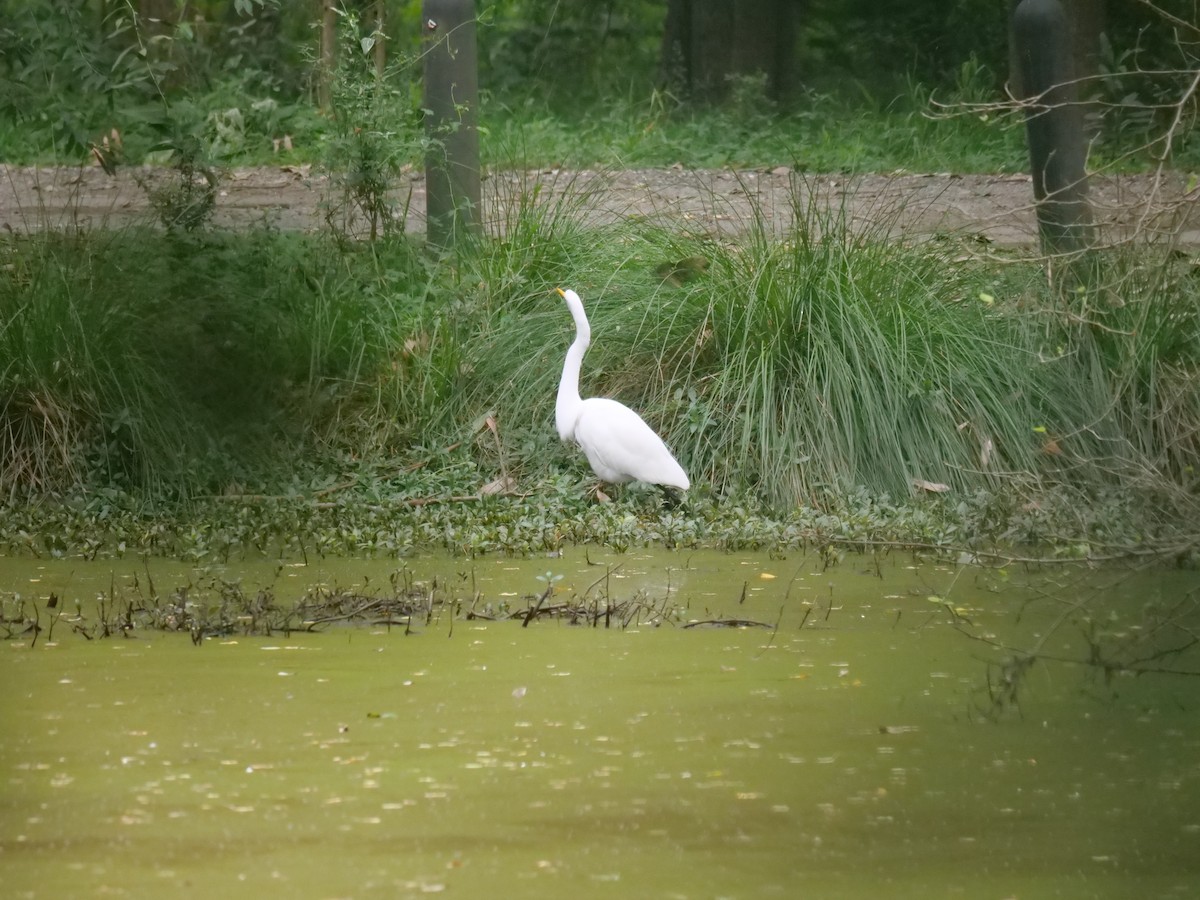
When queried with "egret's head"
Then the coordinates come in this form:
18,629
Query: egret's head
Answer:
568,295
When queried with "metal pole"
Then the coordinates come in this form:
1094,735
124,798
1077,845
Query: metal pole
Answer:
1053,125
452,179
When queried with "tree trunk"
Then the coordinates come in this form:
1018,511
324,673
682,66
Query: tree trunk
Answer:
1053,125
710,48
1086,20
672,72
765,42
705,42
1016,87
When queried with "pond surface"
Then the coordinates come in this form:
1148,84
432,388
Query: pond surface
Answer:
848,749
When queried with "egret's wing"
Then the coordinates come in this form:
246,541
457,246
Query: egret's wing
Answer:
621,447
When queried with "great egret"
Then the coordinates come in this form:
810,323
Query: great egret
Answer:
617,443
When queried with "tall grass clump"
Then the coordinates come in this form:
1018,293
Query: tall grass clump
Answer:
546,236
542,231
831,357
408,385
184,363
834,359
79,388
834,356
789,365
1135,333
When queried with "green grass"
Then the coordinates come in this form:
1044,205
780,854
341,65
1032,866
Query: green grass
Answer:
818,133
172,361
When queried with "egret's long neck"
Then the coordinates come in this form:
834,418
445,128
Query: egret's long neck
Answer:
566,407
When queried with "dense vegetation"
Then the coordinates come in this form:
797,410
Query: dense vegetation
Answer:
578,83
191,391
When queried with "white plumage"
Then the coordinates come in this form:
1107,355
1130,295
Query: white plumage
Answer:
619,446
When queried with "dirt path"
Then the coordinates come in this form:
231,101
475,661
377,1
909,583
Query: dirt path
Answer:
992,208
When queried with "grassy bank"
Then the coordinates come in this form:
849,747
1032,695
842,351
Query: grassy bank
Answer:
176,390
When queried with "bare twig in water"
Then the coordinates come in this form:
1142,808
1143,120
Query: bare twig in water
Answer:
533,611
774,631
727,623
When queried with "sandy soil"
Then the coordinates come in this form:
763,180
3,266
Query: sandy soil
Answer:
995,209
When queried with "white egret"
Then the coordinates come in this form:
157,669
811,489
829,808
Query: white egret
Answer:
617,443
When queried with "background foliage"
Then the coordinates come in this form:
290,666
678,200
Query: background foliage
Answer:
241,74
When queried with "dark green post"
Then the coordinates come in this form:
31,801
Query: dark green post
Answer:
1053,125
452,110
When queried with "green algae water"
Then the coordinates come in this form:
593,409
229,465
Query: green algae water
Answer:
851,746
